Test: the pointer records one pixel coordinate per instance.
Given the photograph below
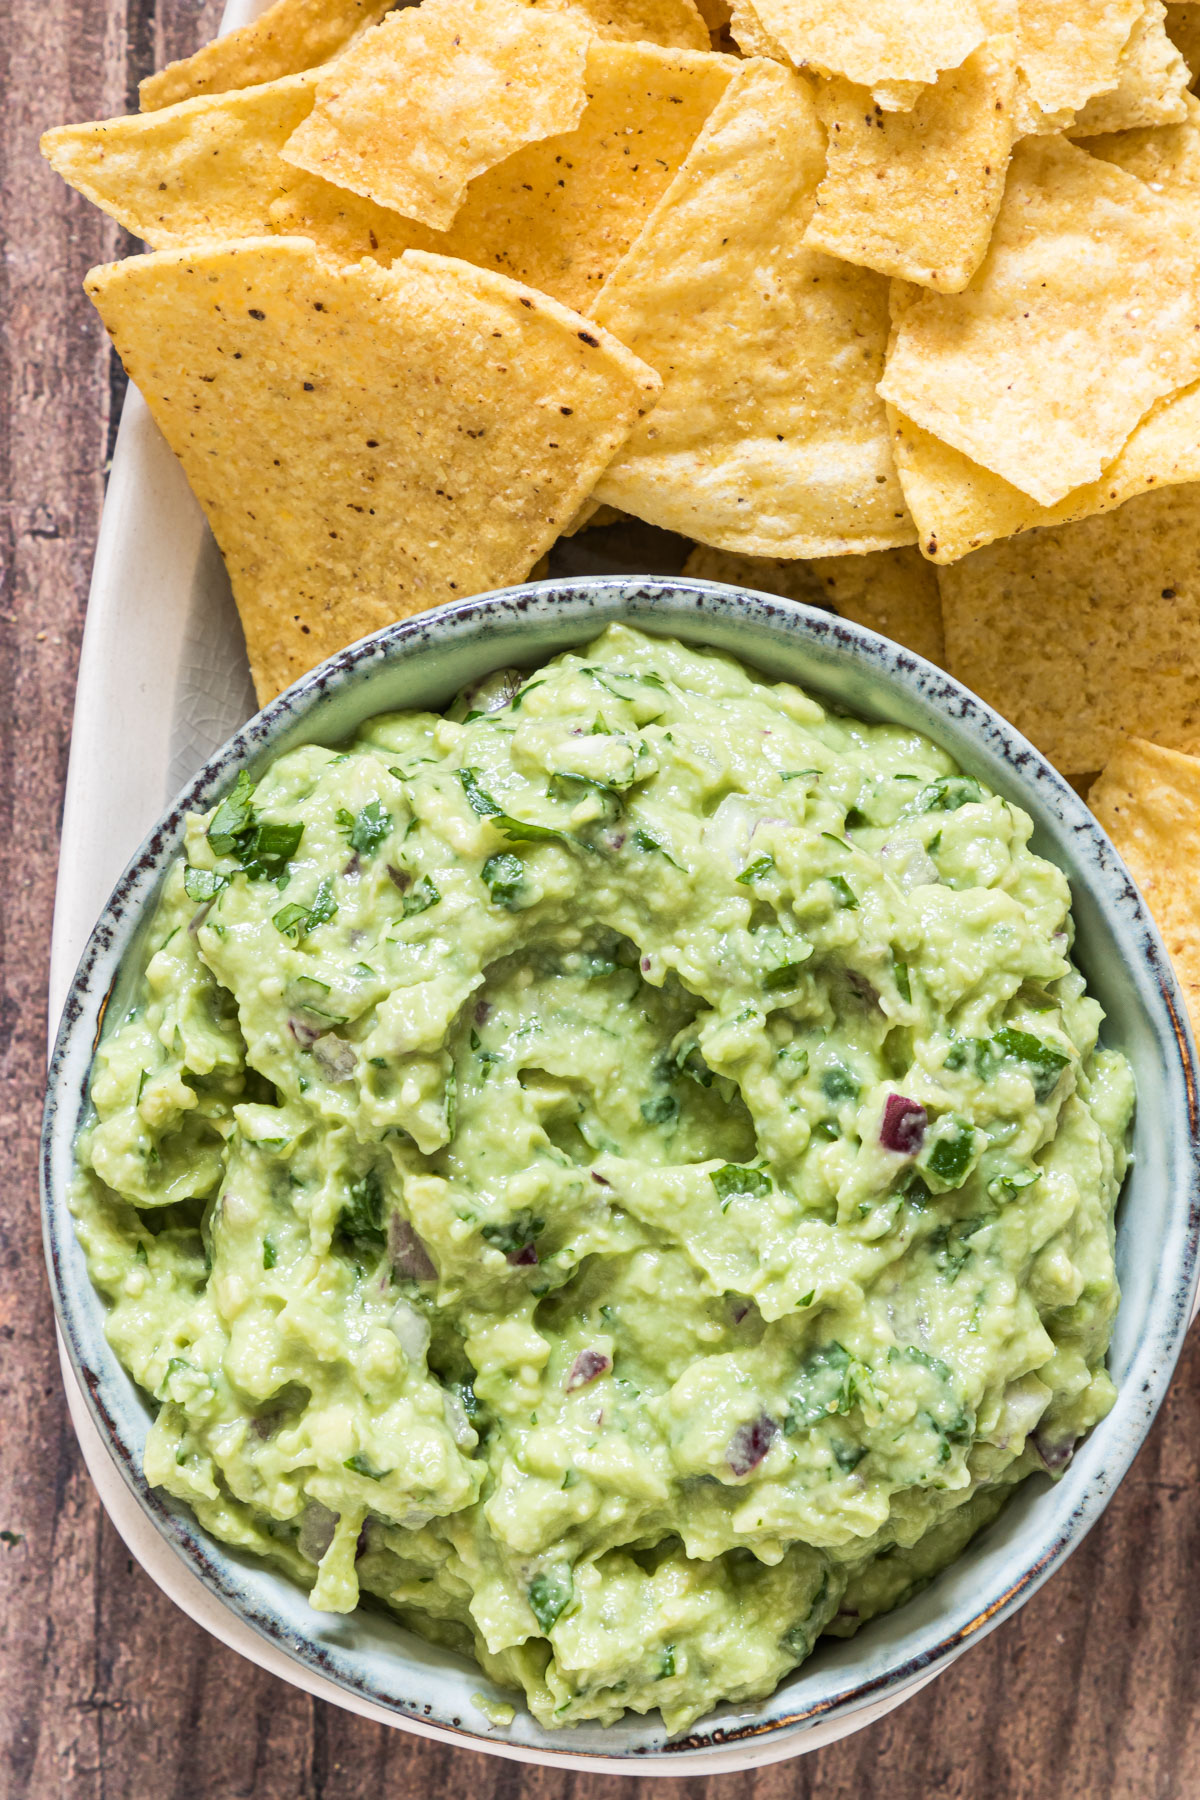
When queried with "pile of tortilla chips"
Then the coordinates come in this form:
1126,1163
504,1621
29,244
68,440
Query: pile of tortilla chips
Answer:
893,307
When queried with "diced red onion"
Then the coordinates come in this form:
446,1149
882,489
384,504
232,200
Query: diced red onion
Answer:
412,1329
305,1034
335,1056
586,1367
750,1443
399,878
600,1180
483,1011
461,1428
410,1259
316,1531
738,1309
1053,1457
903,1127
523,1258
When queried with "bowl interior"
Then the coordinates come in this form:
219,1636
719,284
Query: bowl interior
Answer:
422,663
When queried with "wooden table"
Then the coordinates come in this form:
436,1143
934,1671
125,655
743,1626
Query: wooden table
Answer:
106,1691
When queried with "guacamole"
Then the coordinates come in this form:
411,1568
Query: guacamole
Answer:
621,1174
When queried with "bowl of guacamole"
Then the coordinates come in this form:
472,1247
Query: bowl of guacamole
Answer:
621,1171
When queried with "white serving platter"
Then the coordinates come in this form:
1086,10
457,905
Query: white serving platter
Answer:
163,682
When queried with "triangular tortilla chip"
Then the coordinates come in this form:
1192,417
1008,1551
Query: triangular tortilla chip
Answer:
958,506
1085,312
366,442
559,214
1084,634
437,94
1152,80
1148,801
768,438
205,170
914,194
894,592
1070,51
874,41
290,36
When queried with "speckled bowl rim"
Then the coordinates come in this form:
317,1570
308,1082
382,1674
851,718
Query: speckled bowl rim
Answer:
666,605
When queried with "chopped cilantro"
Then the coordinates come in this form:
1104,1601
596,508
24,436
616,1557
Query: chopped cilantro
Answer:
756,871
296,921
359,1465
504,877
661,1109
365,831
203,885
1044,1063
362,1215
419,898
550,1595
735,1182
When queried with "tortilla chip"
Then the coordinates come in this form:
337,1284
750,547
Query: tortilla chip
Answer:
751,36
1152,80
1070,51
1148,801
437,94
1085,312
958,506
672,24
366,442
893,592
914,194
769,438
205,170
290,36
558,214
1183,29
1084,634
874,41
1166,156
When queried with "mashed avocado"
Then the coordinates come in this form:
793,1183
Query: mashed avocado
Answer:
622,1173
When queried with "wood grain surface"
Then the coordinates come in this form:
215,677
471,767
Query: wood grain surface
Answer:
106,1691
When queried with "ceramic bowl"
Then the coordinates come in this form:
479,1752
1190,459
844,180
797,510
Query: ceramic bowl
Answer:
372,1661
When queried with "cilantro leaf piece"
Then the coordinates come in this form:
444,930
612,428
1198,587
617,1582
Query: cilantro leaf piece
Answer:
420,897
234,815
1043,1062
478,798
845,895
362,1215
735,1182
755,871
504,877
203,885
359,1465
549,1595
296,921
366,830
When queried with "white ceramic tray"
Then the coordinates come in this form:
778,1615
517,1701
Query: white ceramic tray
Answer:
163,682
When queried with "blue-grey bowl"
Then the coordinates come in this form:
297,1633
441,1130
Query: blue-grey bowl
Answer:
422,662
